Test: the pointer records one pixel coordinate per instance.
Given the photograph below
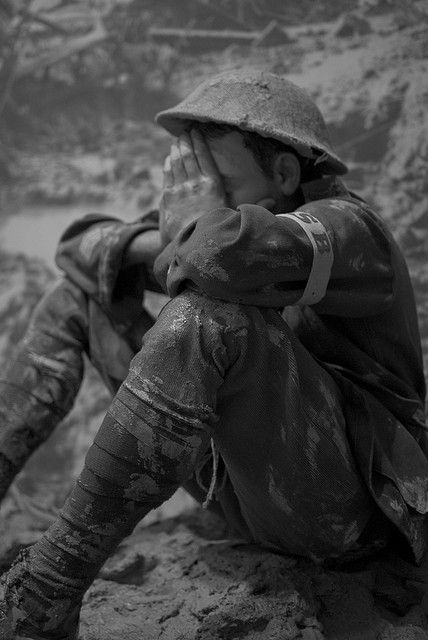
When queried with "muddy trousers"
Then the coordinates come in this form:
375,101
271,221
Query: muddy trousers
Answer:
206,371
39,386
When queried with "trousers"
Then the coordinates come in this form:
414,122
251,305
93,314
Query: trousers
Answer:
39,388
208,374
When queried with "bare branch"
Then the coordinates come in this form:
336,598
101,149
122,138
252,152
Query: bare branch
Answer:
47,23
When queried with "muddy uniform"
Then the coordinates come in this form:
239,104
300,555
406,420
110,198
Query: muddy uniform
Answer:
315,412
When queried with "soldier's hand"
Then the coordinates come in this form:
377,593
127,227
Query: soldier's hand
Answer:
192,185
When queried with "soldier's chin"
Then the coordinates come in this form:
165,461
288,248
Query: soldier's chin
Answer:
284,204
267,203
281,204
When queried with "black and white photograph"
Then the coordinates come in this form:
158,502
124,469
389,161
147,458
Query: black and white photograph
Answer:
213,319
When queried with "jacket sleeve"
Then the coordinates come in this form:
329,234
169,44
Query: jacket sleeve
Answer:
91,252
332,253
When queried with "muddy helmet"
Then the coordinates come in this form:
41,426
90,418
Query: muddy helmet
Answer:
262,102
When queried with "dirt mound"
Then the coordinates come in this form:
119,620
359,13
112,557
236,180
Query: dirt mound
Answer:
173,581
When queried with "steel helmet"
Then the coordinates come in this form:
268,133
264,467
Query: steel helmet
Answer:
262,102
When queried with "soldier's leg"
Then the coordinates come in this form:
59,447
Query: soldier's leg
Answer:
39,386
291,481
286,449
140,456
138,459
202,363
315,469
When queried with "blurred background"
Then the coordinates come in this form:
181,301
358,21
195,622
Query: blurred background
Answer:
80,83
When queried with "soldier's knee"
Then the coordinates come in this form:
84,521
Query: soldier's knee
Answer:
64,308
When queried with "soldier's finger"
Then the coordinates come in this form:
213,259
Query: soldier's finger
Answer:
178,170
190,161
206,162
168,179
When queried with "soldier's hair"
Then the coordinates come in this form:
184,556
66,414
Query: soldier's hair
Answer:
264,150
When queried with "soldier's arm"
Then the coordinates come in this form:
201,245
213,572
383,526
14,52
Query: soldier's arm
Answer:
109,259
332,253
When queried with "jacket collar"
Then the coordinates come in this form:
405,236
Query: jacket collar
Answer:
326,187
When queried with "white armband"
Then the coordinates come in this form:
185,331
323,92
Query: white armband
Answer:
322,260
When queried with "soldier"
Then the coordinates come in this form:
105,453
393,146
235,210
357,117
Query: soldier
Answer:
312,417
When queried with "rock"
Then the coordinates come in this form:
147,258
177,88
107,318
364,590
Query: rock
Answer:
273,34
127,566
91,165
202,589
351,24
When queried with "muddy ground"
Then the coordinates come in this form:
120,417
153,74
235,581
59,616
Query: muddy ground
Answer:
177,577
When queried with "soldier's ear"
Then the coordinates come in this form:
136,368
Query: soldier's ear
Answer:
286,173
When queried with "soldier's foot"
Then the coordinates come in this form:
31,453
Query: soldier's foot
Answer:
20,619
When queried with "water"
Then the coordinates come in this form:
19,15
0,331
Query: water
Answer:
35,230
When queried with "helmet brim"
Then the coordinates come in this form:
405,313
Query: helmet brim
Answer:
176,122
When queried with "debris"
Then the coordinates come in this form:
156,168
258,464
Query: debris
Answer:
63,51
127,566
271,35
351,24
